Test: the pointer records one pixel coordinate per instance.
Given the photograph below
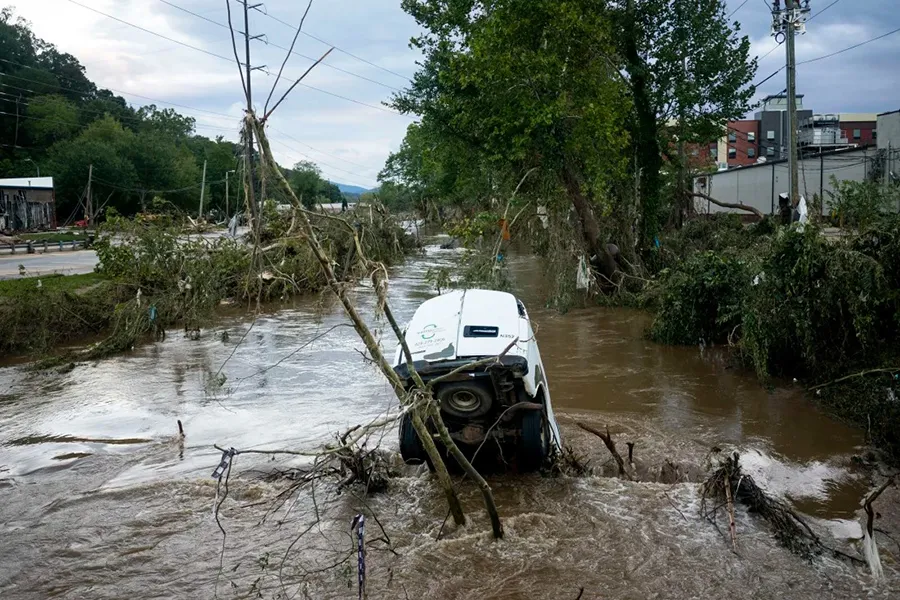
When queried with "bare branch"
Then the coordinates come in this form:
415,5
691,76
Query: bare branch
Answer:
737,206
234,47
287,56
295,84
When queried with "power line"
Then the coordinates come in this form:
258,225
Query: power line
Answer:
103,112
182,106
737,9
231,60
321,151
288,50
352,174
93,94
812,60
338,48
823,10
146,191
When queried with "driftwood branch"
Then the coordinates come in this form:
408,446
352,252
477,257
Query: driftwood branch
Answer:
736,206
610,445
418,413
855,375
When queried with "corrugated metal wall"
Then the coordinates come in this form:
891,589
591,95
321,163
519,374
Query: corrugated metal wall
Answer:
759,186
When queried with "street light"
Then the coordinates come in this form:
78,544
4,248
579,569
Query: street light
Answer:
35,165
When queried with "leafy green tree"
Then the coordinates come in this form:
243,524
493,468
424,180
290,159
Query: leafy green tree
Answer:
52,118
305,179
684,62
528,83
166,121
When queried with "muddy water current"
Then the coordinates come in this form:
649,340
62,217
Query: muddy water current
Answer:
99,497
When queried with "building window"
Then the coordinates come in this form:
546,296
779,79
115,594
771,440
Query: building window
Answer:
874,134
770,151
751,137
732,137
713,148
857,134
732,153
770,134
751,152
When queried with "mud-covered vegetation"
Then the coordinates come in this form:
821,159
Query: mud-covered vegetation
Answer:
153,275
796,303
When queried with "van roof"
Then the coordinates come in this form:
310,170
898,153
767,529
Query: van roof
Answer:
463,324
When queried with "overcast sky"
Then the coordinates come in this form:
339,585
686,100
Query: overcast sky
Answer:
350,141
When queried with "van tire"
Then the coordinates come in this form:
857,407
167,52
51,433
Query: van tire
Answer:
534,441
465,399
411,449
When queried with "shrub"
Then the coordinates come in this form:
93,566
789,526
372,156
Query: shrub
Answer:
815,307
860,204
701,300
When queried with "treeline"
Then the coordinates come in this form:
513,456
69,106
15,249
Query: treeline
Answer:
53,118
603,101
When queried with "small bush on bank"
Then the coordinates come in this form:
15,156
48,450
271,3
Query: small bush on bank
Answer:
817,307
702,300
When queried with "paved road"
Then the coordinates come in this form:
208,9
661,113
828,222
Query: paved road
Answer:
67,263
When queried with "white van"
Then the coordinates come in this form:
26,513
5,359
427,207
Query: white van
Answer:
507,402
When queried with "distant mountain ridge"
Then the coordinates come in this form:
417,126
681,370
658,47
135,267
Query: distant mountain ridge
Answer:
352,190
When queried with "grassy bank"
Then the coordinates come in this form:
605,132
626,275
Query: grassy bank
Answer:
153,278
54,237
38,313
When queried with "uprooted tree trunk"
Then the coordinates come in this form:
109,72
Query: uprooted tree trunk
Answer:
737,206
590,229
420,411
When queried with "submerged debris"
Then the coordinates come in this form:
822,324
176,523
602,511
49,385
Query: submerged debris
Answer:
727,484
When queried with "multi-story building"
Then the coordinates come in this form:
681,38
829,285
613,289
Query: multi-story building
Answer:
773,124
740,146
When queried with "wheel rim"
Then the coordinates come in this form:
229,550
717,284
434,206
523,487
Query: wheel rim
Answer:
464,401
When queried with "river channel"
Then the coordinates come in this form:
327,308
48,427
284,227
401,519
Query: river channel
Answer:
100,498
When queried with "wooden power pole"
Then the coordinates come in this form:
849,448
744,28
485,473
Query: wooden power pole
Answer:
788,22
202,191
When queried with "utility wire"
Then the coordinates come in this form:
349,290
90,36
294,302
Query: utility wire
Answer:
288,50
812,60
823,10
104,112
352,174
355,164
737,9
182,106
338,48
231,60
93,94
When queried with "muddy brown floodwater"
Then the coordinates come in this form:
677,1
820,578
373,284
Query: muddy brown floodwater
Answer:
100,499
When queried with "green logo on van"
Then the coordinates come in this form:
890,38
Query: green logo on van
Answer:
429,332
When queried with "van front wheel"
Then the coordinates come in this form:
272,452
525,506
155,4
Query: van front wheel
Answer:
533,443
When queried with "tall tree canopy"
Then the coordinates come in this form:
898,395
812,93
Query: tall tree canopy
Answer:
583,90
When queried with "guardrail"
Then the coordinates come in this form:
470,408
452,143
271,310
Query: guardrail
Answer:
34,247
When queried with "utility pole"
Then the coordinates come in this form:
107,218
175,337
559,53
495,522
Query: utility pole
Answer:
202,190
248,71
89,207
788,22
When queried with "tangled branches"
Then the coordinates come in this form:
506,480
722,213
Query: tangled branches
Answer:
728,485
